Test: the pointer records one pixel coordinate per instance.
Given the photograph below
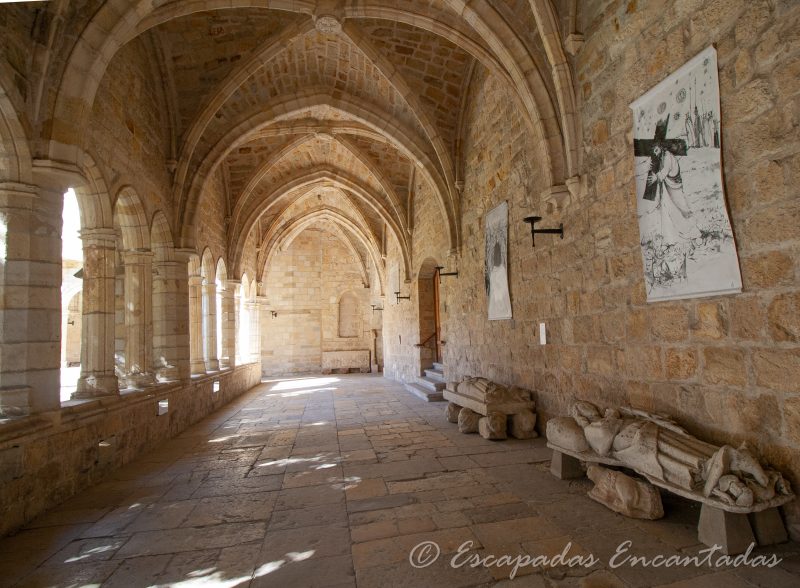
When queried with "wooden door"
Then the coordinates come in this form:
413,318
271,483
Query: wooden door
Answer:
436,321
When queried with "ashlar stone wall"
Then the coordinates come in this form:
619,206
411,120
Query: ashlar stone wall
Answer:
304,285
726,367
402,327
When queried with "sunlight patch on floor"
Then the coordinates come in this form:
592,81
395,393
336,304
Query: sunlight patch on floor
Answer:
296,384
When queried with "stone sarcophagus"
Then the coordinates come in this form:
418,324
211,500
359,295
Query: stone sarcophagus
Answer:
481,406
344,361
739,495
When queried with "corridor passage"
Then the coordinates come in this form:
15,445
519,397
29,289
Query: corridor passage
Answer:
332,481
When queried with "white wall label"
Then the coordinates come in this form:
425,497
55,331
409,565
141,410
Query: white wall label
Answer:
542,334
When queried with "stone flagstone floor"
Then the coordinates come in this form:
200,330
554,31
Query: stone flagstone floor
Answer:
331,481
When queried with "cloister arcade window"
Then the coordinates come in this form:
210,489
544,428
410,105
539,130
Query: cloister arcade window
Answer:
71,294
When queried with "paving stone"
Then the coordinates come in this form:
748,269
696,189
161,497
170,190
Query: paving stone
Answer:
231,509
192,539
341,526
322,572
328,514
318,541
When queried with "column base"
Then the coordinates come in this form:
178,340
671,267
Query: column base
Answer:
92,386
198,367
167,373
15,401
141,380
212,365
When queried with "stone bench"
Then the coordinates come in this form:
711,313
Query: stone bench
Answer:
481,406
731,527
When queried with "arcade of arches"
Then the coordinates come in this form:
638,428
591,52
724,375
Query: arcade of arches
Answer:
270,188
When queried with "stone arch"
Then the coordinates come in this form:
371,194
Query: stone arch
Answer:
243,228
118,22
283,108
547,22
261,172
161,238
207,266
15,156
94,198
427,268
526,79
281,234
221,273
131,220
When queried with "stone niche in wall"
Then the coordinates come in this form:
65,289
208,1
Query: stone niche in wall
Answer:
345,361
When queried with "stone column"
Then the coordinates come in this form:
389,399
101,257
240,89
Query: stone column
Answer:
196,362
228,313
30,298
97,327
210,330
170,320
237,320
255,332
138,318
260,322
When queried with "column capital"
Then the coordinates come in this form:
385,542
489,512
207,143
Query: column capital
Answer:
168,262
57,176
136,257
195,281
20,196
184,254
99,236
228,288
170,269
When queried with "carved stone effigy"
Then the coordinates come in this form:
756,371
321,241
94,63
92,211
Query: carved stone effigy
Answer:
623,494
504,410
724,479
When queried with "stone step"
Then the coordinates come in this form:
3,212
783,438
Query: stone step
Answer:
438,366
425,393
431,384
435,375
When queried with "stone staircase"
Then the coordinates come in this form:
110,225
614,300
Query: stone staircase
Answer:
429,387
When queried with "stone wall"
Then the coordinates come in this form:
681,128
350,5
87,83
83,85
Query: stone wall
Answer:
304,286
727,367
131,145
210,221
402,328
44,461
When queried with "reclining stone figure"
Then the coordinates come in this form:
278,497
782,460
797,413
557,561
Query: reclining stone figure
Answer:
658,448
